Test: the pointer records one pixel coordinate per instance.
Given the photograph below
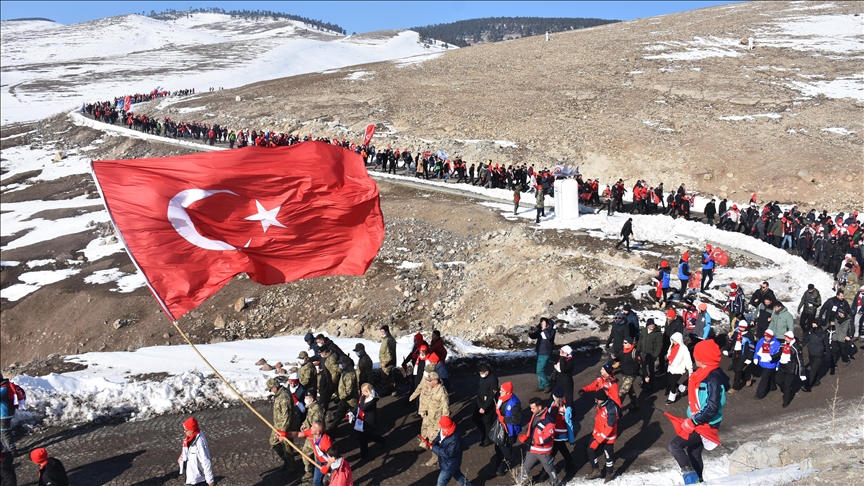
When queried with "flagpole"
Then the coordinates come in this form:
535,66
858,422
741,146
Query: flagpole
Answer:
219,375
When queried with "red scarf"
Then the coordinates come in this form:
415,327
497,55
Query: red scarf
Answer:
740,335
189,440
693,385
766,347
786,348
673,352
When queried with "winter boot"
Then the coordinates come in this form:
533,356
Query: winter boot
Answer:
672,398
595,474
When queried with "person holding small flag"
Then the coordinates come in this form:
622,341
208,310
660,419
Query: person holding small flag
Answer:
706,394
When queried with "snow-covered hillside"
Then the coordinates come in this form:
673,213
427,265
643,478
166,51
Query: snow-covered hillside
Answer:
49,67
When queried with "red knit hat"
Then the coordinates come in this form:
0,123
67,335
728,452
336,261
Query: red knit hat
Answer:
707,352
418,337
39,456
733,286
448,426
671,314
191,424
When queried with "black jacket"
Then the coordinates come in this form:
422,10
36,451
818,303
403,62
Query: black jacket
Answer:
710,210
487,392
629,366
545,339
759,295
829,309
795,366
369,407
564,378
676,325
817,342
53,474
627,229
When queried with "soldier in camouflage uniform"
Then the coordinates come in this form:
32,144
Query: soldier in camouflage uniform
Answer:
433,405
313,414
364,364
307,372
348,391
387,357
331,362
326,386
284,419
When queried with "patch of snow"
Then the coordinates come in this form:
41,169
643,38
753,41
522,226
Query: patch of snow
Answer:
358,75
773,116
191,109
415,60
38,263
9,263
406,265
94,250
850,87
125,282
33,281
833,33
838,130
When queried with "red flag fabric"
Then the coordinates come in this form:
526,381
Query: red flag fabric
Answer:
127,103
710,437
370,132
191,223
719,256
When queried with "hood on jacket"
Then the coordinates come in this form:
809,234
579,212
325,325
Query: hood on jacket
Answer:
677,338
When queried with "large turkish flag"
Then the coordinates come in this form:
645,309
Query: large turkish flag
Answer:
192,222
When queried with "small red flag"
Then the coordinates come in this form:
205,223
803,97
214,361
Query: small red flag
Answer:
127,103
370,132
191,223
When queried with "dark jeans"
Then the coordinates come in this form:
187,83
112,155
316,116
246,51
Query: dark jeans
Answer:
6,434
648,368
815,369
561,446
743,372
707,278
767,383
625,239
364,438
787,382
688,452
504,457
484,422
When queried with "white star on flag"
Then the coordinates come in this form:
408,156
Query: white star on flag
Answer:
267,218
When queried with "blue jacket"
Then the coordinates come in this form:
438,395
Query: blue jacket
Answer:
712,398
683,271
449,452
513,411
563,422
774,351
7,400
664,272
707,261
703,325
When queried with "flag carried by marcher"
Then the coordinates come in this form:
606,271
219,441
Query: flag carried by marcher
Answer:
710,437
370,132
442,155
191,223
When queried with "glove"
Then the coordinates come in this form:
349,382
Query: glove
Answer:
725,352
350,417
803,378
747,361
688,426
724,308
281,434
523,438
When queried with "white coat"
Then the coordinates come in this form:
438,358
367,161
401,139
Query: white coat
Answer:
197,458
682,361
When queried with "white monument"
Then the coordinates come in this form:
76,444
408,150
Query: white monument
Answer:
566,199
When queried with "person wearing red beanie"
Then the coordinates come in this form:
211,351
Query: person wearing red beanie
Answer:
448,447
51,470
706,393
195,456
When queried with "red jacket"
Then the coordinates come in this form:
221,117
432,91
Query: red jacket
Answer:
541,433
437,347
606,422
610,384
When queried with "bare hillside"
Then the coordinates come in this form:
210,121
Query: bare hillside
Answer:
668,99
